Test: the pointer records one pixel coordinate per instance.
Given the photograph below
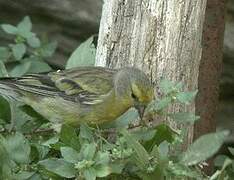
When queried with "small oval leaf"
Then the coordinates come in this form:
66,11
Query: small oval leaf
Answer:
204,147
84,55
9,29
18,50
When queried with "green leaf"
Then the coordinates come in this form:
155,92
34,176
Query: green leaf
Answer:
102,158
9,29
219,160
34,42
5,110
163,133
163,149
90,174
6,172
141,154
67,132
24,175
5,160
25,25
88,151
155,152
222,174
158,174
69,137
117,167
40,150
102,171
86,133
3,70
21,119
18,50
24,28
38,66
69,154
58,145
186,97
179,86
36,176
231,150
84,55
179,170
4,54
184,117
59,167
167,86
18,148
32,113
48,50
21,69
159,105
51,141
124,120
144,134
204,147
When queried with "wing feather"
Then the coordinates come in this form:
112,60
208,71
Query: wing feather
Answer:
86,85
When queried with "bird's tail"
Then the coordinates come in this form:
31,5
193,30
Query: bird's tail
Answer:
17,87
8,90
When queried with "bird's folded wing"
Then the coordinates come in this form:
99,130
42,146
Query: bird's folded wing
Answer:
87,85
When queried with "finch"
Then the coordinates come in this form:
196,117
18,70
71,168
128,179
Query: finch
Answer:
91,95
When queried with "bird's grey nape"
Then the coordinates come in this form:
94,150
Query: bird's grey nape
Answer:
122,84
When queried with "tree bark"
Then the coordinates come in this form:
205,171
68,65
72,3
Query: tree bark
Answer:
164,38
210,67
210,70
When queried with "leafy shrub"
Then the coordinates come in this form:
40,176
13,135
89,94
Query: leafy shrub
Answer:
27,53
119,150
224,166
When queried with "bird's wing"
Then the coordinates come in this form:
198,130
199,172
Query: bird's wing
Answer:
84,84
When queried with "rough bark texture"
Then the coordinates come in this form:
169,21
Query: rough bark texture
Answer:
161,37
210,67
225,115
210,70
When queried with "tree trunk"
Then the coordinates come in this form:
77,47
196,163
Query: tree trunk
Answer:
164,38
210,70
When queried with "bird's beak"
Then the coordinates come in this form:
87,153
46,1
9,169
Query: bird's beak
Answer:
141,110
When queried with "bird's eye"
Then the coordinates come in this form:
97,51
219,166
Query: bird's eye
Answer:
134,96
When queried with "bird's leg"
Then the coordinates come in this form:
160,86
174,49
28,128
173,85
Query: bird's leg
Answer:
143,122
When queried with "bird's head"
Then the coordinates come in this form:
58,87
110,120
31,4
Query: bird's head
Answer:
133,86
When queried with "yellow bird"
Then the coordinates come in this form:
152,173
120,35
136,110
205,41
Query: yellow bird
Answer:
90,95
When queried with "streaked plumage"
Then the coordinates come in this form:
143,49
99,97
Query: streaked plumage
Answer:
85,94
